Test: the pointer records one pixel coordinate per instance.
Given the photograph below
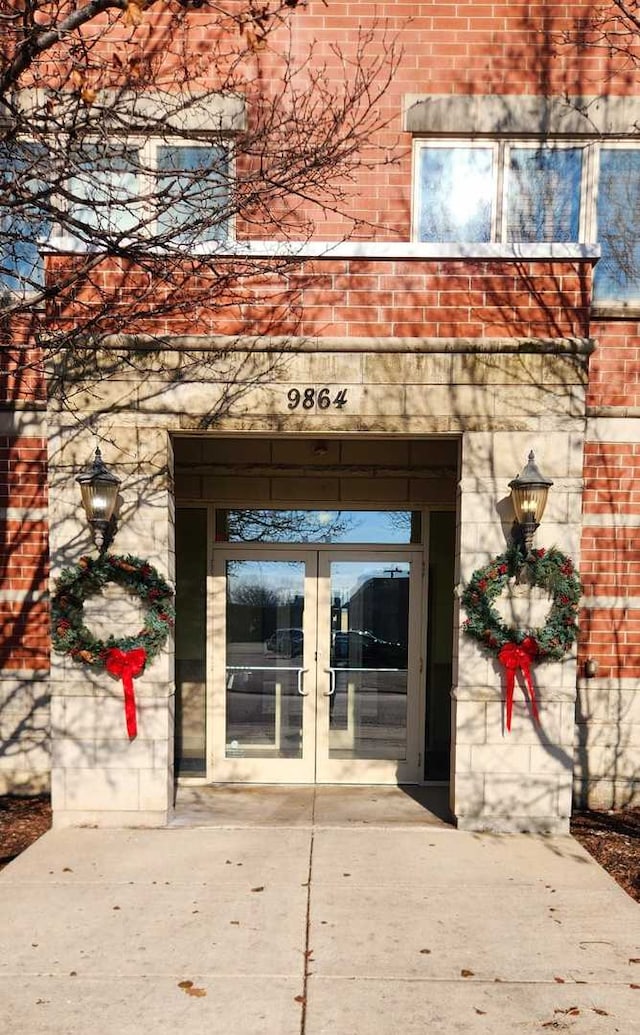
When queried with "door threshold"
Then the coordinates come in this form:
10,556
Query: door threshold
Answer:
311,805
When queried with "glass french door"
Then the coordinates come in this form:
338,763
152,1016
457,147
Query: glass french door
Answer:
315,666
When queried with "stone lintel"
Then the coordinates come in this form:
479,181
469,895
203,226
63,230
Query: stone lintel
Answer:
521,115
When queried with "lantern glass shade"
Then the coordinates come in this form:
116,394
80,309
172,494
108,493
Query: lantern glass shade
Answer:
99,491
529,493
99,500
529,503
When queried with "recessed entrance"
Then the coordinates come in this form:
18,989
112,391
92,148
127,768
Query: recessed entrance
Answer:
314,638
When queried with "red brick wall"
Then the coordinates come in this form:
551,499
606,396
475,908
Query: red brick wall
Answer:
610,565
24,623
348,298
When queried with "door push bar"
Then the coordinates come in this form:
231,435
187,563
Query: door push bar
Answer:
272,668
331,672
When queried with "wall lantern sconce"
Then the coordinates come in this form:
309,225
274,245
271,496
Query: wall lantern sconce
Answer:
99,490
529,493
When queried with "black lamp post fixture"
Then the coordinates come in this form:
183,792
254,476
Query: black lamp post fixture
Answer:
99,490
529,493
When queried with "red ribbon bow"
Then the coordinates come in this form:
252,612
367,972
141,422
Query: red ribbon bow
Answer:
517,657
126,665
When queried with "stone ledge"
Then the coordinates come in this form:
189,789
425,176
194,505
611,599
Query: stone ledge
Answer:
369,251
373,344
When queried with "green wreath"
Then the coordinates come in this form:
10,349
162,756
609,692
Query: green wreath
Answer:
551,570
88,578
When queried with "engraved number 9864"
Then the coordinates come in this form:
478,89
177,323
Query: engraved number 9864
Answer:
309,398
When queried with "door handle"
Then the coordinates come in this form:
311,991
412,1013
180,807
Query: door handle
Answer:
332,682
301,672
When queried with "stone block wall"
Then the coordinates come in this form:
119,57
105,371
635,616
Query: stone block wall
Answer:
98,775
518,780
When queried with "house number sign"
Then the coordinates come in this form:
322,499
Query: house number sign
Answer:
309,398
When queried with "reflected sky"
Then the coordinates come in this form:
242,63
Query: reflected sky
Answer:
390,527
348,576
281,581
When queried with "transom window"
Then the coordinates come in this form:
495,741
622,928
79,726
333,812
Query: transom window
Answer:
524,192
319,526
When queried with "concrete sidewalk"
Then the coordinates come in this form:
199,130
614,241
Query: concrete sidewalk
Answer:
317,926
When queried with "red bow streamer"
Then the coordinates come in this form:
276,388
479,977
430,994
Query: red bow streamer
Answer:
517,657
126,665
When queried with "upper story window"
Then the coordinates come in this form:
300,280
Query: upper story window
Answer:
193,185
24,215
524,192
157,192
170,194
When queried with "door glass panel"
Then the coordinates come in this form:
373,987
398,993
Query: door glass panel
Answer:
263,677
318,526
369,650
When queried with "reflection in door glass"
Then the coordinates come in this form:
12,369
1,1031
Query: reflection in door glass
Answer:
369,651
264,677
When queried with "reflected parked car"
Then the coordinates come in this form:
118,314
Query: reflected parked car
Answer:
288,643
357,649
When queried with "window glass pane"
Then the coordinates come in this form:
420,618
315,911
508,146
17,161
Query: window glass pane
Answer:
543,202
617,274
456,193
24,215
318,526
193,193
103,191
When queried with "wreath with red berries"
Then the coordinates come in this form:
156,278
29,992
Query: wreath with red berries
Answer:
552,571
87,579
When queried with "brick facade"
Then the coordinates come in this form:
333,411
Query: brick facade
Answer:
502,352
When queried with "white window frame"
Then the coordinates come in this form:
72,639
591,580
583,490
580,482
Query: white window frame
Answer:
450,143
502,150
